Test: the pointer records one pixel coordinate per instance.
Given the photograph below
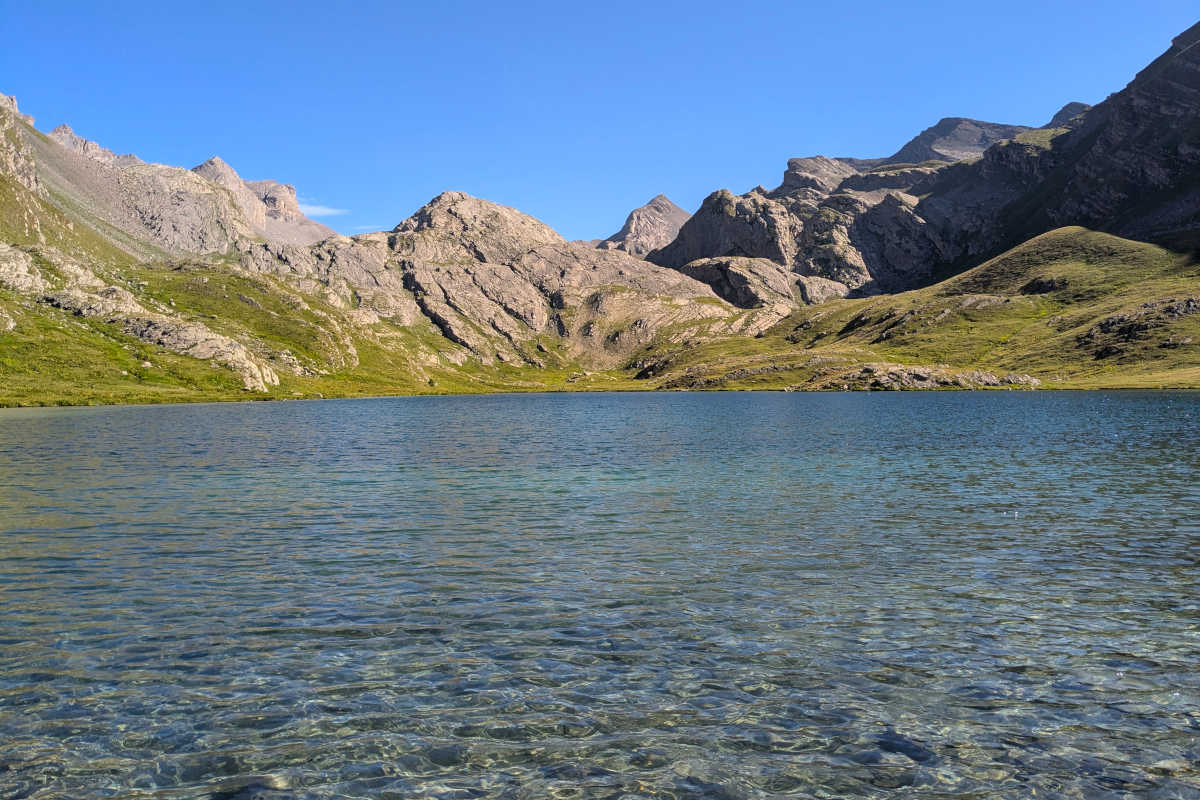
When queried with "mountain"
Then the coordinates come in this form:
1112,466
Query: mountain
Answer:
1062,118
1127,166
954,139
648,227
1058,256
175,265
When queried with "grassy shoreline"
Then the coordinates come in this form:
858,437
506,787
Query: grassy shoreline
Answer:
1144,386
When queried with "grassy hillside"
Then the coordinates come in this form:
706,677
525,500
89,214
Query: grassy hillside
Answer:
1069,309
1072,308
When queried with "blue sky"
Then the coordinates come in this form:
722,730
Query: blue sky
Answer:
573,112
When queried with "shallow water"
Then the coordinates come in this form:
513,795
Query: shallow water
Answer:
586,596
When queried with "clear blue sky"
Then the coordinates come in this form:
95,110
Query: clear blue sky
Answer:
572,112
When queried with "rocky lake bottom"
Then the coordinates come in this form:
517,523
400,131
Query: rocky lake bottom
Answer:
950,595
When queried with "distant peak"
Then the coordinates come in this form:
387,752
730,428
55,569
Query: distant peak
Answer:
216,162
450,196
218,171
1066,114
647,228
66,137
953,139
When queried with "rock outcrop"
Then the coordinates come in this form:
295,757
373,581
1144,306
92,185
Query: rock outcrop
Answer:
753,225
501,284
745,282
465,279
285,222
16,156
252,208
954,139
89,149
74,288
17,272
1063,117
155,207
824,220
647,228
9,104
1130,166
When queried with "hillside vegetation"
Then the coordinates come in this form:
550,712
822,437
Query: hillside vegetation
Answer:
1069,309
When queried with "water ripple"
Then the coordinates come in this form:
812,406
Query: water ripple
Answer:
604,596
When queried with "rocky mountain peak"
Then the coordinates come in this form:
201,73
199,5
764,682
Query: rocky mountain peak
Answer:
818,174
89,149
279,198
647,228
220,173
954,139
489,231
660,202
9,104
1066,114
217,171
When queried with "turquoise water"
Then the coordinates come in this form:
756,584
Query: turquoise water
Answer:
604,596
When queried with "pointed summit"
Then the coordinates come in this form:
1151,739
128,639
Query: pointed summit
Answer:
495,233
217,171
647,228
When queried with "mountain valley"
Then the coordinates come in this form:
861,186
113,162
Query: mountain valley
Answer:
980,255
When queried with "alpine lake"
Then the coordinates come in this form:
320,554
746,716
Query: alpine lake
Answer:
716,595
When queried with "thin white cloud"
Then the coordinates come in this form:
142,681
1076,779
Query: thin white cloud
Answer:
369,228
318,210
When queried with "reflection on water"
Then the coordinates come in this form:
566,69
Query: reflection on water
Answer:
604,596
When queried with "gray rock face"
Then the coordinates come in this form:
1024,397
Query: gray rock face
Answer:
745,282
285,222
811,179
954,139
814,290
89,149
455,224
279,198
498,283
9,105
156,207
1130,166
728,225
650,227
1133,166
253,210
16,156
17,272
859,230
196,340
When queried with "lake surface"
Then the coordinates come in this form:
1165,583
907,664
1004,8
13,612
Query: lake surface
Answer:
604,596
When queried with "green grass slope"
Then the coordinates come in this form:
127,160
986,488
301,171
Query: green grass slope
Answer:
1072,308
1069,309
